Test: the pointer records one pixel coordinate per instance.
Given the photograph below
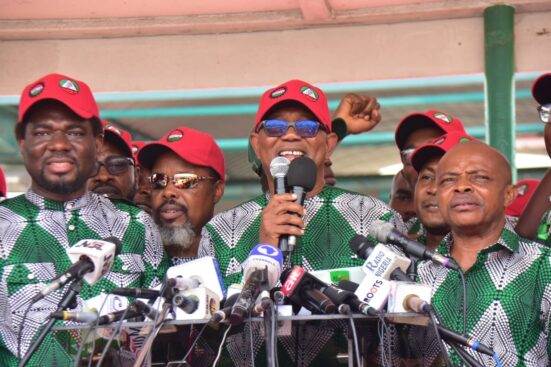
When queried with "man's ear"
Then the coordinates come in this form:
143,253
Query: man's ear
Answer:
510,195
253,138
219,187
331,142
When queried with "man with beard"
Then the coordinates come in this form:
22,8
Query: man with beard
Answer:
293,120
508,278
116,173
425,160
187,180
59,133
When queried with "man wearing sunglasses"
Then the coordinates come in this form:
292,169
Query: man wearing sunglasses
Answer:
293,120
535,221
59,133
187,180
115,177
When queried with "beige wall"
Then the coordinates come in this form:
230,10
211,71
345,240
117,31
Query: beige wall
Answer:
325,54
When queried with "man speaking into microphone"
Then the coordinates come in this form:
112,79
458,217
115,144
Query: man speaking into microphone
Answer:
293,121
59,133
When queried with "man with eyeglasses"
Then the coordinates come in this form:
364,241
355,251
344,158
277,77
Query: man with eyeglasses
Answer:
59,133
115,177
535,221
293,120
187,180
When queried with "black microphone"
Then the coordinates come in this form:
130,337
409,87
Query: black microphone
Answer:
386,233
450,335
188,304
137,292
146,309
261,270
363,247
341,296
248,294
303,289
117,316
95,258
278,169
301,178
224,313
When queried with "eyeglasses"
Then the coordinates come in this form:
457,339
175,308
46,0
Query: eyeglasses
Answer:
545,112
116,165
277,128
184,181
405,155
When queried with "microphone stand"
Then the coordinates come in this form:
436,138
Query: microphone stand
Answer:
412,269
68,297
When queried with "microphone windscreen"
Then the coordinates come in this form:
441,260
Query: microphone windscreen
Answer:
284,275
347,285
302,173
279,166
380,230
356,241
117,242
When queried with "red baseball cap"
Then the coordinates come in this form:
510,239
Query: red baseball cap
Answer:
431,118
525,189
3,185
74,94
541,89
437,148
121,138
195,147
304,93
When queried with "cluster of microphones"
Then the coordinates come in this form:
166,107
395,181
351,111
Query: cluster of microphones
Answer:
196,290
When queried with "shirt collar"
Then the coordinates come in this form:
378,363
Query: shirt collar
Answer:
49,204
507,239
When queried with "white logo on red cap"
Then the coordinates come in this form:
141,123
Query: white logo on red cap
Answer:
278,92
134,149
36,90
113,129
522,189
440,141
443,117
175,136
69,86
309,92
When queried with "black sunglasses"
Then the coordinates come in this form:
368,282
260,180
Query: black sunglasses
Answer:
116,165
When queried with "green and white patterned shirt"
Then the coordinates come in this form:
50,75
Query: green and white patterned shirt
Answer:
508,299
35,234
333,217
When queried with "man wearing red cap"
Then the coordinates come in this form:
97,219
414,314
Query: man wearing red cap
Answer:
425,161
293,120
59,133
535,222
115,177
187,180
